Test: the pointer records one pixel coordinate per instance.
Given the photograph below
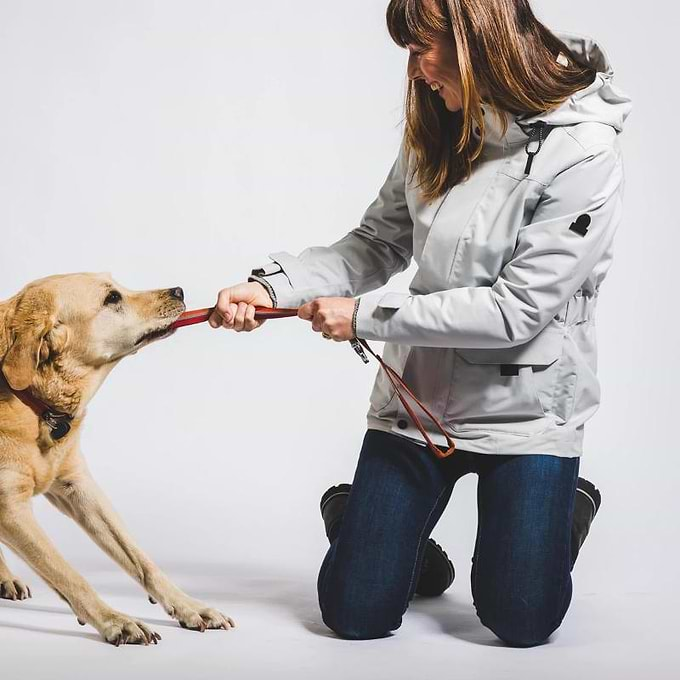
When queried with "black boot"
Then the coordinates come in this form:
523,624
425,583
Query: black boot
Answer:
333,507
436,573
586,504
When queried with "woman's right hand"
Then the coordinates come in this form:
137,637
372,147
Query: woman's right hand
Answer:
235,308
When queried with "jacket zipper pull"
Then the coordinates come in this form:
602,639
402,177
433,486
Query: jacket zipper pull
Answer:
540,126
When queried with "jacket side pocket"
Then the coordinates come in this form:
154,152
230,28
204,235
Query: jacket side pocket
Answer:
509,389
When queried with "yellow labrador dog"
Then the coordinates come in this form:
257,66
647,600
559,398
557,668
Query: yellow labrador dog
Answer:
59,338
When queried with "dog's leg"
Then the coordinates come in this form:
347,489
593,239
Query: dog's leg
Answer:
78,496
11,587
20,531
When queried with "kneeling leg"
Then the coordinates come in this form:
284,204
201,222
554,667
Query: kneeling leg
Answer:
369,573
521,581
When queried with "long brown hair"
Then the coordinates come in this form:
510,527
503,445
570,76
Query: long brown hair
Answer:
504,52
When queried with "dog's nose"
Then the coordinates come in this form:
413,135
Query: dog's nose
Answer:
177,293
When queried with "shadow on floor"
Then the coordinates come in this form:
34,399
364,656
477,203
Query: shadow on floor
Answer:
94,637
295,591
455,618
291,590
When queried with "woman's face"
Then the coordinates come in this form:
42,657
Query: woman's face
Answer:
437,65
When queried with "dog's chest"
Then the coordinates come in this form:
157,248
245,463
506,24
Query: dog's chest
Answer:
50,467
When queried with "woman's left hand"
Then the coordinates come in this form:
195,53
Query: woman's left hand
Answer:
330,315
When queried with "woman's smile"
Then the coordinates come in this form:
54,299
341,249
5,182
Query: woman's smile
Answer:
437,65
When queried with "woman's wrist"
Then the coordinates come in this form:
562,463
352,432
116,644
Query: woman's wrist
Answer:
267,286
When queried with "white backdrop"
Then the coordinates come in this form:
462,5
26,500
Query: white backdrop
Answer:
178,142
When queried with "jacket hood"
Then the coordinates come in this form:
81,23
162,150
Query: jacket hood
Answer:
601,101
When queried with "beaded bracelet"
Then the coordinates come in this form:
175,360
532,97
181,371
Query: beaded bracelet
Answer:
354,316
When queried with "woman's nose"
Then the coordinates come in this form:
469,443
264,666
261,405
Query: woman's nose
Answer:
413,70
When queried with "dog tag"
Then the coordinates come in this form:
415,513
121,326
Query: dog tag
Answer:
61,429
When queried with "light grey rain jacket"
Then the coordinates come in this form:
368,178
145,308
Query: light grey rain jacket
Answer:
497,332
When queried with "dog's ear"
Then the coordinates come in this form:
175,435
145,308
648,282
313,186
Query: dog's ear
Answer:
21,360
32,320
55,342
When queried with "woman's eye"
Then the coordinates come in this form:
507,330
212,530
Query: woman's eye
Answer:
113,298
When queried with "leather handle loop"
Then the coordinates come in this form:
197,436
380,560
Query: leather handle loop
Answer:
397,382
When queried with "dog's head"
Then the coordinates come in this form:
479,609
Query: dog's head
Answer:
61,330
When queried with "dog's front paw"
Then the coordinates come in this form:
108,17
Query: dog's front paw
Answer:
119,629
14,589
195,615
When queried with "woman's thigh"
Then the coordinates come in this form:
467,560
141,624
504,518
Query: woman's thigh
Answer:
368,575
521,580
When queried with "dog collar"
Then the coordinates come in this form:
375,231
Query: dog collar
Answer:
58,421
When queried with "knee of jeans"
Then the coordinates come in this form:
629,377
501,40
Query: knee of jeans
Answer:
360,619
517,626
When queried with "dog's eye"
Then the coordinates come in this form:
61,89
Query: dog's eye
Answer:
113,298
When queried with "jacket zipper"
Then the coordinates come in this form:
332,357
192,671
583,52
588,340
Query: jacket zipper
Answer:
536,129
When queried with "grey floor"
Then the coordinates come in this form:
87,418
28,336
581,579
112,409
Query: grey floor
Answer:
630,635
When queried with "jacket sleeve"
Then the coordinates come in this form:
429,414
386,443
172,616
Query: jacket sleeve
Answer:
572,229
363,260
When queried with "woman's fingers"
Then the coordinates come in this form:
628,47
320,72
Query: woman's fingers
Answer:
307,311
240,316
250,323
330,315
317,323
221,311
225,317
230,319
236,305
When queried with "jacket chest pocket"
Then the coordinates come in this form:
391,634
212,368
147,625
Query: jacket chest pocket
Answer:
509,389
468,229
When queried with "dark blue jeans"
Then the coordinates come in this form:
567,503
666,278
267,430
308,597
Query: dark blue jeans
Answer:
521,567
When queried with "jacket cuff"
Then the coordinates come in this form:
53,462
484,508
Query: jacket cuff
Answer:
373,312
277,282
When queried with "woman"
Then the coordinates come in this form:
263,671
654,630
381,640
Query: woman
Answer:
507,192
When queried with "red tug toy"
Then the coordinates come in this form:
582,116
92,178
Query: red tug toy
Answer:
200,315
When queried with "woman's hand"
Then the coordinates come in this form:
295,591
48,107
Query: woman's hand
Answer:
235,308
331,315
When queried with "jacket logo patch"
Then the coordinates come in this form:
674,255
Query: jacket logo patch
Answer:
581,225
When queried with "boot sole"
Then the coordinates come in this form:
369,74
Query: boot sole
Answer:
591,493
338,490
